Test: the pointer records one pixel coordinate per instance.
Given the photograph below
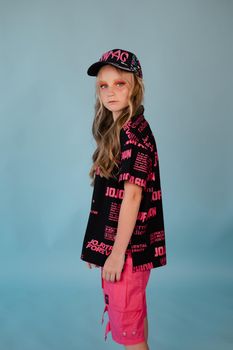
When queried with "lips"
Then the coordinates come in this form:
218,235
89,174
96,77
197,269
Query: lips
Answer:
112,101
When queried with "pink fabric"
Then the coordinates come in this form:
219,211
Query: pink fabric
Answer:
125,301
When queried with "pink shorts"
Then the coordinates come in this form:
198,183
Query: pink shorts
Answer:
125,301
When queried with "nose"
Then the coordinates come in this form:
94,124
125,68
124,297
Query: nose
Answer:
110,91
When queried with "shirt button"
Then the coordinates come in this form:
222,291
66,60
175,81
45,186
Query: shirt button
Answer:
124,334
134,332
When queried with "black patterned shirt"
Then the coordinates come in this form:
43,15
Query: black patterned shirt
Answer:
139,164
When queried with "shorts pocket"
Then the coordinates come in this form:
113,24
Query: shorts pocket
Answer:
117,293
135,301
136,290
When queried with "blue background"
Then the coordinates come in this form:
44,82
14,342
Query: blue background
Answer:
49,299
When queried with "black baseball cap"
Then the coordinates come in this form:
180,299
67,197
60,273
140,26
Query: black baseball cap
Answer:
123,59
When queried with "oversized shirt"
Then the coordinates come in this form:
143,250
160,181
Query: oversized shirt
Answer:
139,164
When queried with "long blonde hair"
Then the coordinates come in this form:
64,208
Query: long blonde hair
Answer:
106,131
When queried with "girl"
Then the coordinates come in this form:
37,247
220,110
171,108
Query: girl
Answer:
125,230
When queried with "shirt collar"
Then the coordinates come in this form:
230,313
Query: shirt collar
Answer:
139,111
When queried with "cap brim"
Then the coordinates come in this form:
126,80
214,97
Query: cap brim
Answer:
95,67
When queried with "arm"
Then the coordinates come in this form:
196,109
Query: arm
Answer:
127,218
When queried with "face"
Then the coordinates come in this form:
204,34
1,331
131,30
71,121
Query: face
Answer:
114,88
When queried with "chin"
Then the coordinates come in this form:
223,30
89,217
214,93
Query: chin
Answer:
114,109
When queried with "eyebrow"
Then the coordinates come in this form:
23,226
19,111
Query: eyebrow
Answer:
120,79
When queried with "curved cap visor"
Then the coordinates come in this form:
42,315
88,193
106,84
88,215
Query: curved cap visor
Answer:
95,67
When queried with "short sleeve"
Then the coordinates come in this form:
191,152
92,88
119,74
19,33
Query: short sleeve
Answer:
135,163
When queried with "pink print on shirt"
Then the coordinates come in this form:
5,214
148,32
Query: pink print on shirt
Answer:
156,158
163,260
114,211
140,229
143,126
132,179
135,142
101,247
156,195
143,267
138,247
110,232
148,143
160,250
143,215
151,176
157,236
126,154
114,193
141,162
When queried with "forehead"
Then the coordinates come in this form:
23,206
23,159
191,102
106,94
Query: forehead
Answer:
111,72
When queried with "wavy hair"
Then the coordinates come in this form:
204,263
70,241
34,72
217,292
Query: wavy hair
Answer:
106,131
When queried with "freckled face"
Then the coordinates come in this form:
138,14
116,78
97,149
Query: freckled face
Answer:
114,88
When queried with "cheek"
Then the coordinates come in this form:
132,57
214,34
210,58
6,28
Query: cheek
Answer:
102,94
125,93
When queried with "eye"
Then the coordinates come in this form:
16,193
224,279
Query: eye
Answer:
120,83
102,85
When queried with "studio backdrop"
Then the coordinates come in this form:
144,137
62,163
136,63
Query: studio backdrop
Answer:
49,299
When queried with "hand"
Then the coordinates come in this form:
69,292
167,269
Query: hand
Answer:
113,267
89,265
